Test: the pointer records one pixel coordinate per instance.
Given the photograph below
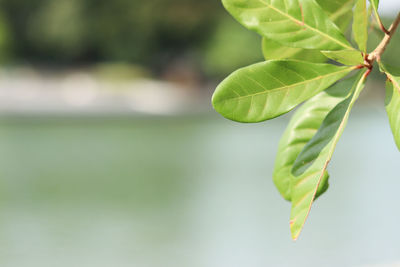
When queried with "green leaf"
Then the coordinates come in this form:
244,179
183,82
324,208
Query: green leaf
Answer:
293,23
312,162
274,50
269,89
360,24
302,127
392,104
339,11
346,57
375,5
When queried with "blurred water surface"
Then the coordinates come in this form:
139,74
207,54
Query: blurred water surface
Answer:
98,168
187,191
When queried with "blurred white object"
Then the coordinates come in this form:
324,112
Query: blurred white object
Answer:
25,91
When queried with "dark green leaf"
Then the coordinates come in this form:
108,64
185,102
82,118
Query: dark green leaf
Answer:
311,164
302,127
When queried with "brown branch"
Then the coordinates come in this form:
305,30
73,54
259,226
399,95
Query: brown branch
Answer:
380,23
376,54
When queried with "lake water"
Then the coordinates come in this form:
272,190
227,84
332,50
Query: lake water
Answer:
188,192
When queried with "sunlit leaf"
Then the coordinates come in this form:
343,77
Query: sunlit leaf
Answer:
346,57
293,23
339,11
312,162
274,50
360,24
266,90
302,127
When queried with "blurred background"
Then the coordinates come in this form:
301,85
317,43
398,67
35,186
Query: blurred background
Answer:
111,154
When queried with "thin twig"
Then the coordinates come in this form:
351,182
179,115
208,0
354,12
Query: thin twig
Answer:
378,18
380,24
376,54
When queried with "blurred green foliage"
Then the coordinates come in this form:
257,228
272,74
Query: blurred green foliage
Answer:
151,33
70,30
231,47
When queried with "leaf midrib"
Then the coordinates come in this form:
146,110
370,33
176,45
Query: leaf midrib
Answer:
331,150
306,25
288,86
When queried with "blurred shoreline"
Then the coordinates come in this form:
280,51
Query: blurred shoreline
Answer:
28,91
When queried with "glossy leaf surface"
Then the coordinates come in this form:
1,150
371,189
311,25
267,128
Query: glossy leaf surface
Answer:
312,162
266,90
346,57
302,127
293,23
360,24
276,51
392,103
339,11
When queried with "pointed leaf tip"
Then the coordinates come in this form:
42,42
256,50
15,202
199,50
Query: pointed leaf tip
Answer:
314,158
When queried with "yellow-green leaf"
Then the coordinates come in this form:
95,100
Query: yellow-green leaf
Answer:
392,104
360,24
346,57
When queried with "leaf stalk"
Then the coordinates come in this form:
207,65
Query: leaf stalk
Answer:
380,49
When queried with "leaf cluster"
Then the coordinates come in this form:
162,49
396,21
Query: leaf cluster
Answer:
299,38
